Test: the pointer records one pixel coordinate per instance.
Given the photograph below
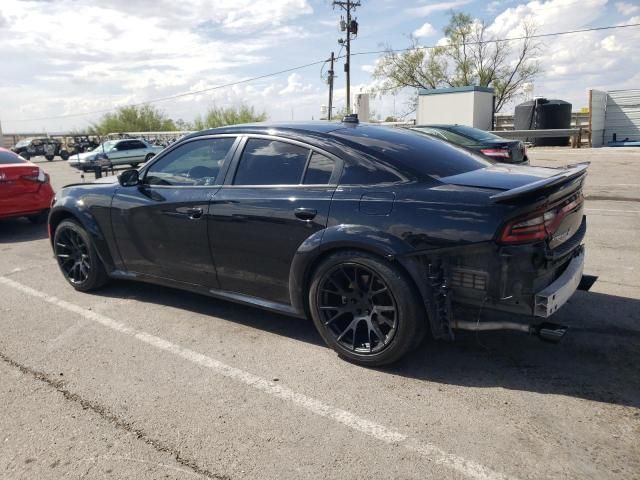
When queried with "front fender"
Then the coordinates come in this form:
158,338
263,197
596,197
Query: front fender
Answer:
93,215
359,237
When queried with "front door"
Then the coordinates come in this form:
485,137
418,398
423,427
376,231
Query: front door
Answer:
161,225
279,196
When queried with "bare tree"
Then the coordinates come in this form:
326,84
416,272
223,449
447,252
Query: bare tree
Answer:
469,55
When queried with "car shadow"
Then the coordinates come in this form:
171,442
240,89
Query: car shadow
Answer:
21,230
599,359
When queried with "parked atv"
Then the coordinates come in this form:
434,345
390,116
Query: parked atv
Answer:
45,146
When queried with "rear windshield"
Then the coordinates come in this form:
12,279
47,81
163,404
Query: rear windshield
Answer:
7,157
475,133
413,153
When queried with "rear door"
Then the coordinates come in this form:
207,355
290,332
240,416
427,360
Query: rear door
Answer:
137,151
277,195
161,225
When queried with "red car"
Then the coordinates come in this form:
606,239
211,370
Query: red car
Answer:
25,190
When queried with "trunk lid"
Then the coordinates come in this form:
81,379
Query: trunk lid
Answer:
501,176
14,179
548,202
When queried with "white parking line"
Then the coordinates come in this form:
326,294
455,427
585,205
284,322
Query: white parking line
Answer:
610,210
431,452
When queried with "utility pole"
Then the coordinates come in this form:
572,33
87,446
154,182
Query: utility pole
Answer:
331,72
351,27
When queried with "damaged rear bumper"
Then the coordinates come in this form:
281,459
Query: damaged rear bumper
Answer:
549,300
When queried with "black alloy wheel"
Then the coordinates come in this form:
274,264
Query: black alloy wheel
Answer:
365,308
77,257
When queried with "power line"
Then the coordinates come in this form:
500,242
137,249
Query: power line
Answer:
508,39
179,95
299,67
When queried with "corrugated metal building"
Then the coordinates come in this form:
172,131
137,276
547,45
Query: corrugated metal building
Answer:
614,112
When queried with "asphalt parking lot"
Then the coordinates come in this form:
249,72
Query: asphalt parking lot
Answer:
139,381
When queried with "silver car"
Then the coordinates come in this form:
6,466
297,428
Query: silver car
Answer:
128,151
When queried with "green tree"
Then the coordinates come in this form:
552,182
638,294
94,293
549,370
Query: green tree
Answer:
470,55
143,118
219,117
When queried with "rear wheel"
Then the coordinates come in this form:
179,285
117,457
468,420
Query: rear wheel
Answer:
149,157
64,155
76,254
25,155
365,308
49,158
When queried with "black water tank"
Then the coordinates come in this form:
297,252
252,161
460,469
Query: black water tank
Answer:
543,114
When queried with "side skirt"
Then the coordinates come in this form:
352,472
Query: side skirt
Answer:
210,292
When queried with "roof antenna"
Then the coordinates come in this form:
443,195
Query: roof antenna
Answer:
351,118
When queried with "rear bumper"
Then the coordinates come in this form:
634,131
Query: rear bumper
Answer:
27,204
549,300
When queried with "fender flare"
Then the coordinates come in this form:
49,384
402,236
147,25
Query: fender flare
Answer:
73,208
337,237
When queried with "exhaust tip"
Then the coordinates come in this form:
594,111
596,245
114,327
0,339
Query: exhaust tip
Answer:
550,332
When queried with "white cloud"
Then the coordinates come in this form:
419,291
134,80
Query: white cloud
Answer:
437,7
574,63
426,30
627,8
295,85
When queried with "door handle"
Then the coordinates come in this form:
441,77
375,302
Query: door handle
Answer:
194,213
306,214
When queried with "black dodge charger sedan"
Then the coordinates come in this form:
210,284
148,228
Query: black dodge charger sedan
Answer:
380,235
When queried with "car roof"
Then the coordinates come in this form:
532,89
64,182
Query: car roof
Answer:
444,126
266,127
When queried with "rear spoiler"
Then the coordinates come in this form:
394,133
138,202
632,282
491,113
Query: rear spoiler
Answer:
568,173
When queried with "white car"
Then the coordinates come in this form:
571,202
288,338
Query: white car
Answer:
128,151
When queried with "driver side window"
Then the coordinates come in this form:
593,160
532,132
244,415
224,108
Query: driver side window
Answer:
194,163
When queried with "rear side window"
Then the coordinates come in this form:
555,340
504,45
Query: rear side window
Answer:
10,157
271,162
134,144
319,170
415,154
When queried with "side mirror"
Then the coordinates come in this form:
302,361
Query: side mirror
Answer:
129,178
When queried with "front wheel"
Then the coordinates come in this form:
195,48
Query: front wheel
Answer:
77,257
365,308
64,155
25,155
49,158
149,157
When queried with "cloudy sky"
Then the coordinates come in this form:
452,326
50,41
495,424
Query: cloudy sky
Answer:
62,60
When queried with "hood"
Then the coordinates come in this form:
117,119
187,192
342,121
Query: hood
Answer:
501,176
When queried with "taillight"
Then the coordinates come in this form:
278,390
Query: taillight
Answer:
538,225
496,152
37,176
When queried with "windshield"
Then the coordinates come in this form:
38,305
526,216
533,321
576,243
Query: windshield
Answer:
475,133
106,146
24,143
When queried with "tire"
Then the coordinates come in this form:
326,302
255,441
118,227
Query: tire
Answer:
25,155
49,158
134,165
77,257
149,157
347,314
40,218
64,155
